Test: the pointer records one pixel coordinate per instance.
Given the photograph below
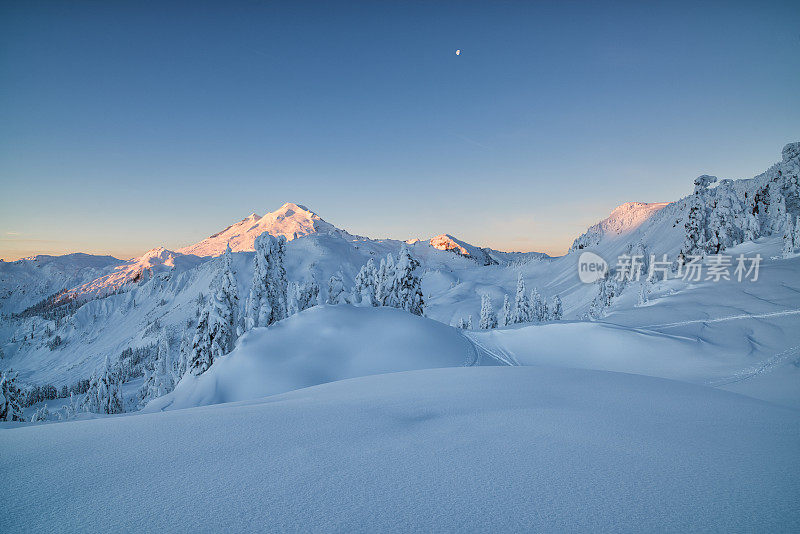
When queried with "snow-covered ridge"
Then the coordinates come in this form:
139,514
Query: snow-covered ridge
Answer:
623,220
450,243
290,220
151,263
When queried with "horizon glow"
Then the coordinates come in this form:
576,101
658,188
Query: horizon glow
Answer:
128,127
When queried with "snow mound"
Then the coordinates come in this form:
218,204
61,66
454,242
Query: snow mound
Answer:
323,344
290,220
509,449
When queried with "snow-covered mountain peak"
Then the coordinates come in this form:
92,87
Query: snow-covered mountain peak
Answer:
450,243
290,220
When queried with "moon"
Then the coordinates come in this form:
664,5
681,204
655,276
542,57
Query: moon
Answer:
458,52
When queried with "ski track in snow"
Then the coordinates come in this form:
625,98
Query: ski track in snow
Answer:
723,319
762,368
503,357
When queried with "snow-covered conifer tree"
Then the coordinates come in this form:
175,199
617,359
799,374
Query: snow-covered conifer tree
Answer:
469,322
267,303
385,289
406,291
788,237
556,309
303,296
104,395
507,319
161,380
336,291
10,397
696,223
364,285
215,334
41,414
522,312
488,317
796,237
538,307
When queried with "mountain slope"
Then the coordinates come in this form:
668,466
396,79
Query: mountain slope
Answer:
290,220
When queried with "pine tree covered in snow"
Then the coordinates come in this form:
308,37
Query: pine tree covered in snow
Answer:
336,291
301,296
725,218
507,317
488,317
10,397
696,221
161,379
406,290
267,301
522,312
385,290
538,307
796,237
215,334
788,237
104,394
364,285
41,414
556,309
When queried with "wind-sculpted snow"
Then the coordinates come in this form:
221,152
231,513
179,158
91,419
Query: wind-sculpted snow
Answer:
504,449
324,344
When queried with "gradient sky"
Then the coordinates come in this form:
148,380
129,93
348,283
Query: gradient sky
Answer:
125,126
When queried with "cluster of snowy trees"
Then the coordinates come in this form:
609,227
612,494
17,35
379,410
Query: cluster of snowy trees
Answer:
527,308
104,394
10,397
395,283
723,216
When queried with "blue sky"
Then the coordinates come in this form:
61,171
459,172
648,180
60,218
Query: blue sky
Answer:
124,126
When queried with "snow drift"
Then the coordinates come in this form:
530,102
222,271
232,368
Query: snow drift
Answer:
480,449
319,345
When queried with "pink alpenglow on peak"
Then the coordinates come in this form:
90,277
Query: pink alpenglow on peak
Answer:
290,220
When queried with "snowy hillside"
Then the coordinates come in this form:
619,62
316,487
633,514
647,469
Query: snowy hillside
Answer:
25,282
515,449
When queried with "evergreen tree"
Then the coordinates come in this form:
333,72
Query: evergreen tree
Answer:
795,239
215,334
695,239
522,305
104,395
469,322
507,319
385,290
10,397
406,291
488,317
267,302
538,307
556,309
160,381
41,414
336,291
364,285
788,237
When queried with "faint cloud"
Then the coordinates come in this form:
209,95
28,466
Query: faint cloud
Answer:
13,233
